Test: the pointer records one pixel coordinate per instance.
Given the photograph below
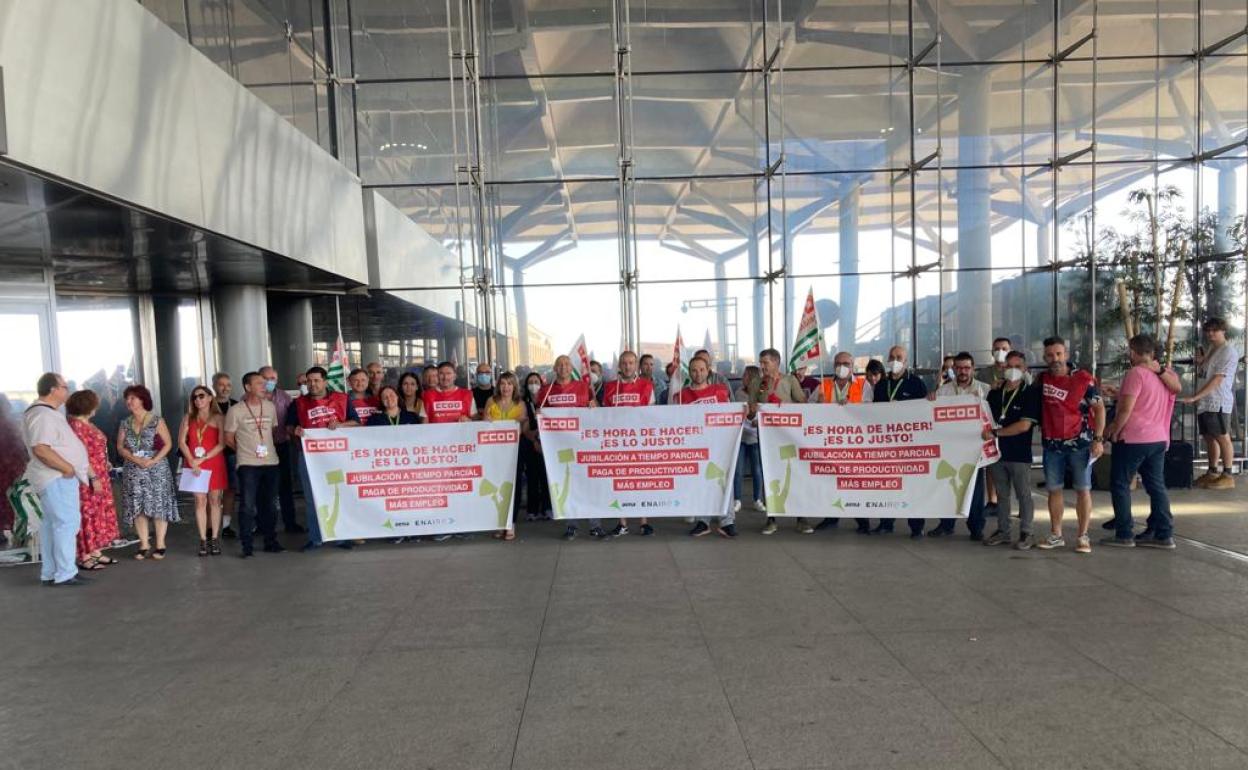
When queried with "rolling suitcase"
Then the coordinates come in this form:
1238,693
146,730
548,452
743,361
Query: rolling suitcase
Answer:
1180,458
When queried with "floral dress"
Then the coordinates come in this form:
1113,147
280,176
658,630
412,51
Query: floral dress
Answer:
12,462
146,491
99,517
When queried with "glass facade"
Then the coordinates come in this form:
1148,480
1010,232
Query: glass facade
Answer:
937,172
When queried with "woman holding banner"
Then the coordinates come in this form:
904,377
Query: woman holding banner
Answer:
409,396
505,404
537,491
390,412
701,390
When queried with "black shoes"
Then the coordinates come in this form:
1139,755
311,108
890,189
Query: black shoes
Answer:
699,529
646,530
228,533
273,547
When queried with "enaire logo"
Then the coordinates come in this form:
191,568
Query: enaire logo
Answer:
781,419
955,413
722,419
498,437
561,423
324,445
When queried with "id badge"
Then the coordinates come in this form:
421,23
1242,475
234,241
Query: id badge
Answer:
262,450
200,452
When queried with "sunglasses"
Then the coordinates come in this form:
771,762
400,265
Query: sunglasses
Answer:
199,396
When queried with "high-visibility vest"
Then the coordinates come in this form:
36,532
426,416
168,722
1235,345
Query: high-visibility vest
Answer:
828,389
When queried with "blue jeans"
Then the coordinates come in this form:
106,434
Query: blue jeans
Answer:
1056,461
258,486
752,456
1149,461
58,534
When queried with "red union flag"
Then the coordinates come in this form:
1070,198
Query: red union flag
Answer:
680,370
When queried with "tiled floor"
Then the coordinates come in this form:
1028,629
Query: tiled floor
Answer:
790,651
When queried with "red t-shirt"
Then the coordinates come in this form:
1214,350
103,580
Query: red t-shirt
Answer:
364,407
317,412
639,392
716,393
447,405
574,393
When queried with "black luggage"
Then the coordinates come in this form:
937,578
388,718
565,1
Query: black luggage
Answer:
1180,458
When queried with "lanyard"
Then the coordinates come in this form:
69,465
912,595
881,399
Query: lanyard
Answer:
395,419
841,395
257,419
200,428
1005,412
892,391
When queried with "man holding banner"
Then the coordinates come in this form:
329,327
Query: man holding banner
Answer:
628,389
776,387
320,408
563,391
448,402
844,388
965,384
701,391
899,385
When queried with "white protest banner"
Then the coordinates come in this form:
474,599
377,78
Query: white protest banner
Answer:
910,458
641,461
412,480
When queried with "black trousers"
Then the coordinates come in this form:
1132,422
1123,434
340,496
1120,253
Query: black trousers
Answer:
537,491
258,485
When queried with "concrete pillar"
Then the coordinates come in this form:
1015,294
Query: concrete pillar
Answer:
721,312
242,316
1044,244
291,337
847,232
521,304
370,350
170,400
758,300
1228,212
974,198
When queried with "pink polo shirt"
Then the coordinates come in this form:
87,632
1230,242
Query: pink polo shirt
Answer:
1150,418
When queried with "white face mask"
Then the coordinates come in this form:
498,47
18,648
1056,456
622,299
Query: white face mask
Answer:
1000,355
896,367
593,378
303,389
843,372
534,388
1013,375
950,375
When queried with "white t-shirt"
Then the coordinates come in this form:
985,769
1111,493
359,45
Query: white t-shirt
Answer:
41,424
1224,360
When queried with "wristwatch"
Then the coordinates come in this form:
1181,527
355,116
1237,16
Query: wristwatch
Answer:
1099,439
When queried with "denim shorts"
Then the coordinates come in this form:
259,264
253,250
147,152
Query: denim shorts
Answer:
1056,461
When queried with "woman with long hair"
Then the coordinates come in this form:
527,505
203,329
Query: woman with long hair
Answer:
146,481
537,491
199,440
409,396
99,516
507,404
391,413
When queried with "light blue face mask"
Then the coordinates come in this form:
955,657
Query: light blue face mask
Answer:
270,385
484,380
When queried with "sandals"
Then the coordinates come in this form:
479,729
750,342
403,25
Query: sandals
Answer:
158,554
214,547
90,564
203,547
106,560
142,554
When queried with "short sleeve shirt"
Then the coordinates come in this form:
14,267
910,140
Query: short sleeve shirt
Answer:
1008,407
43,425
1149,421
252,427
1224,360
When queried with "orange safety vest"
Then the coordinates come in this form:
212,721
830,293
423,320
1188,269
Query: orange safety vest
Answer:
828,389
